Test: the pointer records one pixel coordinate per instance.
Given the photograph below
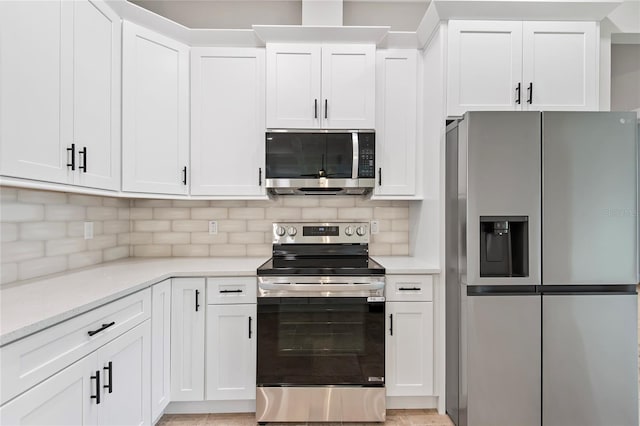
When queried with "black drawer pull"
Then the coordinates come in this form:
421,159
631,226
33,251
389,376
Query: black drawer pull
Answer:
97,379
104,327
530,93
379,176
391,324
83,166
409,289
259,176
249,327
109,385
184,175
197,297
518,92
73,156
231,291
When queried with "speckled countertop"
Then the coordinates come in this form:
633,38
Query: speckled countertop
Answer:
32,306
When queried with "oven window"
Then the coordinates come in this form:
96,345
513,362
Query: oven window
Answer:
320,341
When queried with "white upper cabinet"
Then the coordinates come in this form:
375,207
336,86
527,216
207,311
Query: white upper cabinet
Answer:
227,121
155,111
396,118
560,63
60,103
514,65
320,86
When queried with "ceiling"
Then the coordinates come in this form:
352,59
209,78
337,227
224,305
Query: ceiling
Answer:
400,15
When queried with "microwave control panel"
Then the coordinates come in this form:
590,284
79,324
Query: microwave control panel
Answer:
367,158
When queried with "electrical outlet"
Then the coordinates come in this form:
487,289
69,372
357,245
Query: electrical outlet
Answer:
88,230
213,227
374,227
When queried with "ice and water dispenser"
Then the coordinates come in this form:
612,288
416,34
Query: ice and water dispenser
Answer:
504,242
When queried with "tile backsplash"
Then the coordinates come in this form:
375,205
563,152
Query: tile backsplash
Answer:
43,232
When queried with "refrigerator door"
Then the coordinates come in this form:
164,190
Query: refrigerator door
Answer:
502,372
589,204
590,353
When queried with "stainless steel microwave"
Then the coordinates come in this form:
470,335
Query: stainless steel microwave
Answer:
320,161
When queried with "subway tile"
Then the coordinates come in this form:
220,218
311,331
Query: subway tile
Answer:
189,225
8,194
141,213
246,238
171,213
17,251
390,213
206,238
152,225
124,213
152,250
151,203
342,201
171,238
284,213
259,250
76,228
8,232
41,197
246,213
102,242
102,213
306,201
400,203
355,213
400,249
367,202
391,237
8,273
125,239
227,203
43,266
87,258
209,213
384,225
42,230
266,203
259,225
115,253
191,250
227,250
115,202
379,249
65,246
400,225
189,203
140,238
232,226
65,212
115,226
85,200
320,213
18,212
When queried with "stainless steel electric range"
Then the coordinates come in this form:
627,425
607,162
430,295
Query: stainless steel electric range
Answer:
320,326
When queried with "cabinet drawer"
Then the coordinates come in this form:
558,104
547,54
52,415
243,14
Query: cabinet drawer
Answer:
36,357
410,288
231,290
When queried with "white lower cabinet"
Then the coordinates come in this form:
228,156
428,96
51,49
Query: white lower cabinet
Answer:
160,348
231,352
187,339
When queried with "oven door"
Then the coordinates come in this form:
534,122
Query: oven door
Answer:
319,341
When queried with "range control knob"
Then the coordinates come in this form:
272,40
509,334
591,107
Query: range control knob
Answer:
348,230
292,231
360,230
280,231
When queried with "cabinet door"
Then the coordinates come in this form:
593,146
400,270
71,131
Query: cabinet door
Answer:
63,399
187,342
35,39
96,94
231,352
348,86
293,86
409,349
155,111
484,66
160,348
227,121
396,105
560,66
125,364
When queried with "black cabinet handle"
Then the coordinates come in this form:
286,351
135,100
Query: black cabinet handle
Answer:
380,176
104,327
197,297
391,324
97,379
326,108
83,165
530,93
409,289
184,175
518,87
231,291
249,327
315,108
260,176
109,385
73,156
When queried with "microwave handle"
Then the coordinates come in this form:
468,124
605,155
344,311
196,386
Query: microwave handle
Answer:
356,156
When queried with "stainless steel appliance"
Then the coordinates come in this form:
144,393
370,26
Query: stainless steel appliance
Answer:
320,161
541,269
320,326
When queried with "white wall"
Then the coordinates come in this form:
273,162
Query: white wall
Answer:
625,77
401,16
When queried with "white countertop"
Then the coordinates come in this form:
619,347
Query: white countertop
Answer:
29,307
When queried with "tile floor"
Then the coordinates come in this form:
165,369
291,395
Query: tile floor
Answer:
394,417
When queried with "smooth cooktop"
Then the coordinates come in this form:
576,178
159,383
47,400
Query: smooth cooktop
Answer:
343,265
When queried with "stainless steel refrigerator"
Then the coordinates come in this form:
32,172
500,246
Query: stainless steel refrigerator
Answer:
541,269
